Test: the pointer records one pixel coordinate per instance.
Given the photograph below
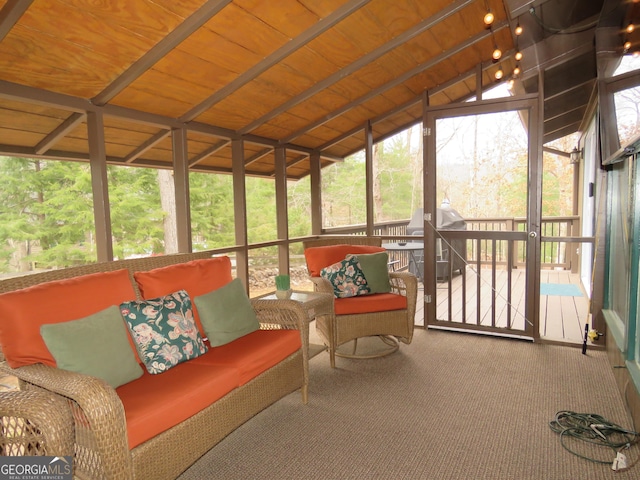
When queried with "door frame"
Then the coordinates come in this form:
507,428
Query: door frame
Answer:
532,104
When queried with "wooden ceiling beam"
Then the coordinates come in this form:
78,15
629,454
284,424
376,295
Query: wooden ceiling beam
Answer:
287,49
208,152
358,64
258,156
162,48
10,14
148,145
65,127
395,82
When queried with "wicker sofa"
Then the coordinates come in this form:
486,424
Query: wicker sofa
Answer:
58,412
389,316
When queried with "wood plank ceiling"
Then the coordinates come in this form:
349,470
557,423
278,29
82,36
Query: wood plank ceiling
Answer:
304,74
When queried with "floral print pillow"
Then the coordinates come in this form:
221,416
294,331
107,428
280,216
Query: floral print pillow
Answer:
163,330
347,278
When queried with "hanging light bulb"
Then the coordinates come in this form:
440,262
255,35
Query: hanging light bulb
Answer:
626,46
518,31
511,83
488,18
516,71
518,56
499,74
497,53
630,28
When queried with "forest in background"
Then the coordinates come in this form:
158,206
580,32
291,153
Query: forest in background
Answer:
46,213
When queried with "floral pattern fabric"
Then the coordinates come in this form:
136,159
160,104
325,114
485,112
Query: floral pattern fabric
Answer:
164,330
347,278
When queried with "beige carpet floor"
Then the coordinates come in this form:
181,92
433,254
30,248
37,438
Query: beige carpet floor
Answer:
448,406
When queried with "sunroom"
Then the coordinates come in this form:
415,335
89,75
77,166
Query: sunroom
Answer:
345,117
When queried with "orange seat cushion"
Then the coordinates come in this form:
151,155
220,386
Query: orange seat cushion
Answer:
379,302
197,277
24,311
253,353
319,257
155,403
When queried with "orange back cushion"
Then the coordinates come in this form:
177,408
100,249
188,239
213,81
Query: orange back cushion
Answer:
320,257
24,311
197,277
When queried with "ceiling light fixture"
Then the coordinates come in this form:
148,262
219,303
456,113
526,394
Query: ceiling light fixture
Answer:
497,53
626,46
499,74
630,28
488,18
518,31
518,55
516,71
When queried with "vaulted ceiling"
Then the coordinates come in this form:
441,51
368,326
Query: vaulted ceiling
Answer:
304,74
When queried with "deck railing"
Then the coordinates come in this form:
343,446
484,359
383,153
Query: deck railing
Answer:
556,251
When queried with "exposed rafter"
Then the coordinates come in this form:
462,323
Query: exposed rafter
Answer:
11,13
65,127
358,64
284,51
168,43
396,81
154,140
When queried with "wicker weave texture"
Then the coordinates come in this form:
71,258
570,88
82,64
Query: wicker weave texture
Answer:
340,329
86,417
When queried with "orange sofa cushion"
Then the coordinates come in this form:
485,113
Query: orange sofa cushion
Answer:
155,403
379,302
319,257
253,353
24,311
197,277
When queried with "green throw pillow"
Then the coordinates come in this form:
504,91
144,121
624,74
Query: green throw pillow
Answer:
226,313
347,278
97,345
375,267
164,330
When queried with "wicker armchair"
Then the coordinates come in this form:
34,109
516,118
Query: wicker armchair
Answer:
391,326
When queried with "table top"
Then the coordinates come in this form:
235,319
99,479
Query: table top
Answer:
400,246
299,296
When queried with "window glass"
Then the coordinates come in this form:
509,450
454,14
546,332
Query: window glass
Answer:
627,104
618,251
628,63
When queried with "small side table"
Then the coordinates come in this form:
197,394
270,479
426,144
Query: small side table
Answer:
314,305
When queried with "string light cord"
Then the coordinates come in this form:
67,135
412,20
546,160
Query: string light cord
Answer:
594,429
562,31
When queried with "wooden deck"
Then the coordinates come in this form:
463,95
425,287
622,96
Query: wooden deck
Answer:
562,317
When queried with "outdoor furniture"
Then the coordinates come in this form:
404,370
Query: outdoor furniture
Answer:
416,255
315,306
155,425
389,316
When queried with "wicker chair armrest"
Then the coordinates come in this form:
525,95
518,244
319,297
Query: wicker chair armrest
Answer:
282,313
322,285
96,409
403,283
35,423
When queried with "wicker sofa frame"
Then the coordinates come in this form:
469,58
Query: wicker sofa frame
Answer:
392,326
57,412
